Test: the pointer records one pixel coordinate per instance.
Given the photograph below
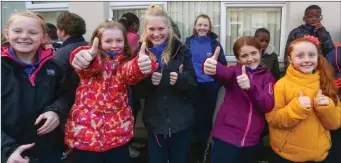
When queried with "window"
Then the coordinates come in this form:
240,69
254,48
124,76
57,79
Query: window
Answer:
138,8
47,9
245,19
184,14
9,8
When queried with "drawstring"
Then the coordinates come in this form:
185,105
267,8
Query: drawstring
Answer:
157,140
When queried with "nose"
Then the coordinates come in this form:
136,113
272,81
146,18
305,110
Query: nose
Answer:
306,58
24,35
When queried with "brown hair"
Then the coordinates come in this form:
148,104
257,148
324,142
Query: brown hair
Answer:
71,23
110,24
326,70
245,40
27,14
155,10
205,17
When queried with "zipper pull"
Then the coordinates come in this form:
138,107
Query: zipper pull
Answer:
169,132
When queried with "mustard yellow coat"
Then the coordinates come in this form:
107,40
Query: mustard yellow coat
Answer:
296,133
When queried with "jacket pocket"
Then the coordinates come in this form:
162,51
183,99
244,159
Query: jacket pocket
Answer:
284,141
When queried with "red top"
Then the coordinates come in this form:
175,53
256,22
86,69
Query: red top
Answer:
101,118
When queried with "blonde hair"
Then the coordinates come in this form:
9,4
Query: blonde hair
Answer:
27,14
155,10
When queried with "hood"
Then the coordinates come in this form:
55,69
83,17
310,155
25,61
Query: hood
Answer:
269,50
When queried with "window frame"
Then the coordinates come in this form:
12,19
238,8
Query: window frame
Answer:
223,21
46,7
132,6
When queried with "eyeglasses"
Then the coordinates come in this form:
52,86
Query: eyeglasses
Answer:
315,17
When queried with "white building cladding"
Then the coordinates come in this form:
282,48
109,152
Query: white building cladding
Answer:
230,19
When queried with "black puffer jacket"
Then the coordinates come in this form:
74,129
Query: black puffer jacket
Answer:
24,98
168,108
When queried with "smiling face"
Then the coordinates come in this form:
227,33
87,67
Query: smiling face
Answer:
25,34
202,27
157,29
304,57
112,40
249,56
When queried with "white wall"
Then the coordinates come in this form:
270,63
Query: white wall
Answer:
331,12
94,13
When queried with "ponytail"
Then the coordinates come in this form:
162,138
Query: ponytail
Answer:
123,20
327,84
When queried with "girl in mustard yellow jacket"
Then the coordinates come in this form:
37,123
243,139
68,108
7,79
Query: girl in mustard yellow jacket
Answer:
306,106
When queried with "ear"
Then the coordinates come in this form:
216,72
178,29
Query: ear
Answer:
6,33
45,38
289,59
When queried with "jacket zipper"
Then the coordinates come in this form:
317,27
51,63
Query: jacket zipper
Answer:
250,115
248,125
284,142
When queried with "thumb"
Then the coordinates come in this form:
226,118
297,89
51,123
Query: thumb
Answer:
181,68
243,70
94,48
143,49
216,53
25,147
301,93
319,93
41,117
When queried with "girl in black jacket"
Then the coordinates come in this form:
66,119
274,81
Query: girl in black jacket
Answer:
32,100
168,112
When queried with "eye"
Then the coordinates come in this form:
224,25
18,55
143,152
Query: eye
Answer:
108,41
312,54
243,56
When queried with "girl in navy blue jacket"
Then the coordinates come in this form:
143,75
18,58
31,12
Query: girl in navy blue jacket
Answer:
202,45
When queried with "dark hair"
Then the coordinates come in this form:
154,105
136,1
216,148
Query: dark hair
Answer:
51,30
128,19
245,40
110,24
262,30
312,7
71,23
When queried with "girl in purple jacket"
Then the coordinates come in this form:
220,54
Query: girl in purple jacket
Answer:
249,95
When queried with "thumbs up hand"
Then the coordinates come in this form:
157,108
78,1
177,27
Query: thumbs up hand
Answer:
321,100
84,57
156,78
173,76
144,62
243,80
210,65
304,101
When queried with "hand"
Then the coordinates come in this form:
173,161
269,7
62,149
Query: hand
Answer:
144,62
210,65
173,77
321,100
304,100
243,80
16,157
52,121
84,57
318,27
156,78
181,68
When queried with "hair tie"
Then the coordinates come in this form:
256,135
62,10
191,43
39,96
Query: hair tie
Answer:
123,17
313,39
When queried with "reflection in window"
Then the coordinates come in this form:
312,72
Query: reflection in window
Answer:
245,21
